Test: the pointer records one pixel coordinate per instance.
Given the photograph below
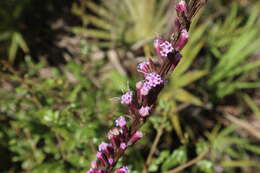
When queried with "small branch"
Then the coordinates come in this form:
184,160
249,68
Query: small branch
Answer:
190,163
245,125
154,146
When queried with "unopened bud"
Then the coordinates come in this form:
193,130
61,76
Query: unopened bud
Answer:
138,135
182,40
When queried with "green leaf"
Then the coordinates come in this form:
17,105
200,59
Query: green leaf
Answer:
205,166
184,96
154,166
179,156
189,77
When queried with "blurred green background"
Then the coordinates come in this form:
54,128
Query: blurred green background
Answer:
61,62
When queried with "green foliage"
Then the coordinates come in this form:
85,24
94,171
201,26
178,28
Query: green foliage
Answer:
178,156
120,22
10,13
233,44
51,119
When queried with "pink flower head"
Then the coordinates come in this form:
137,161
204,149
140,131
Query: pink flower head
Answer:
145,89
123,169
181,7
143,67
182,40
127,98
144,111
121,122
103,146
123,146
165,48
162,47
153,79
138,135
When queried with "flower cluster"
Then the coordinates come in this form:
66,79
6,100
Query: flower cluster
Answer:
119,139
141,102
151,81
162,47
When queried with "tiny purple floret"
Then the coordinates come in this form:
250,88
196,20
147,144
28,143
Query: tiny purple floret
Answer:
153,79
127,98
165,48
143,67
121,122
145,89
103,146
144,111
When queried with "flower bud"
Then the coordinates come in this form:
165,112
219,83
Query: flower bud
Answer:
115,136
139,85
101,158
144,67
110,161
184,36
181,7
138,135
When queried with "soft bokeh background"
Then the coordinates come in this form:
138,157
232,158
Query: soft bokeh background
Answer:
63,61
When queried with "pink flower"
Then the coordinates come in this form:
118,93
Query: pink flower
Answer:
143,67
123,146
139,85
145,89
165,48
121,122
103,146
153,79
127,98
162,47
144,111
